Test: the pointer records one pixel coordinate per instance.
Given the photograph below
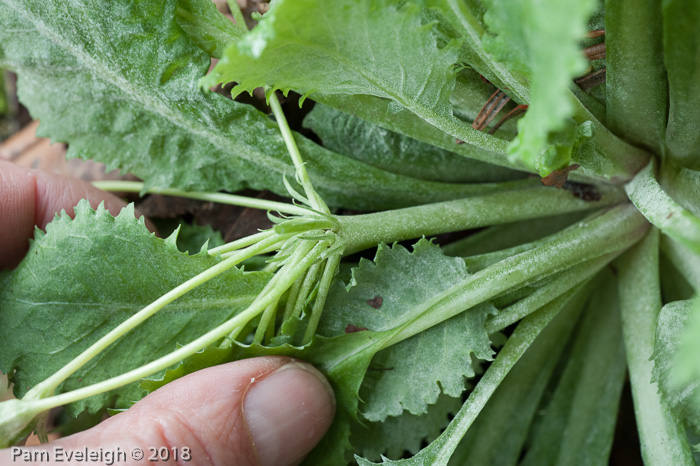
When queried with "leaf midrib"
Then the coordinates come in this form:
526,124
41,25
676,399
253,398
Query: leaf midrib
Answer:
117,306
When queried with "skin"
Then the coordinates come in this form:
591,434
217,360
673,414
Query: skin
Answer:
262,411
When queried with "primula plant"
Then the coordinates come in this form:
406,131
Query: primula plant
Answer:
566,132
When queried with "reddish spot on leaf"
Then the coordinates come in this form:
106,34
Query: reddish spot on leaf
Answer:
376,302
354,328
558,177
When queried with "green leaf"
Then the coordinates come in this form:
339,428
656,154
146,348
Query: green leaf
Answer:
126,75
675,360
83,277
661,435
436,360
405,432
347,47
539,39
384,113
636,97
319,54
359,139
469,91
681,55
687,368
203,23
578,423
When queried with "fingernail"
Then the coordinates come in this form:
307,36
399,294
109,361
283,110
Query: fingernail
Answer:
288,412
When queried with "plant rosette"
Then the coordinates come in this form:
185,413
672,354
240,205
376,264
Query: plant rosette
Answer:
554,128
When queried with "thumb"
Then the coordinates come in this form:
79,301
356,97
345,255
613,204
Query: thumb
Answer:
262,411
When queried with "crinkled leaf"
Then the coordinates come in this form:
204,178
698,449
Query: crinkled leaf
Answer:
468,97
675,359
347,47
350,47
441,449
687,367
465,20
539,39
118,82
403,433
438,359
83,277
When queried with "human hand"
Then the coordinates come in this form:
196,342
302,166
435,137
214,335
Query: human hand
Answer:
29,198
262,411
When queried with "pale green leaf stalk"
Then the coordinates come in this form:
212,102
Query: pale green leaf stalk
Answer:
661,434
221,198
16,420
662,211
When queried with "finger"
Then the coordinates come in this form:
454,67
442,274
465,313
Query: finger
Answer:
29,198
262,411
